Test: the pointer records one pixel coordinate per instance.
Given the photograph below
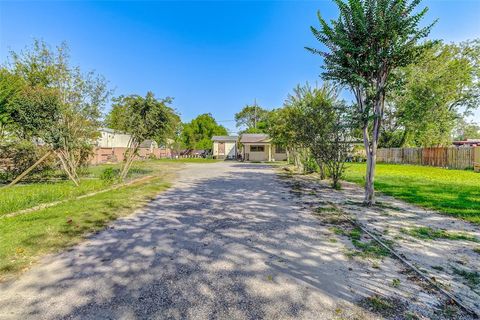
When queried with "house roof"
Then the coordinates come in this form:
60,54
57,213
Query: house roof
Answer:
224,138
148,144
468,142
254,138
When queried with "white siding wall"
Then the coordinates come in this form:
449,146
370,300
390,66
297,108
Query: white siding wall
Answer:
230,150
257,155
263,155
113,140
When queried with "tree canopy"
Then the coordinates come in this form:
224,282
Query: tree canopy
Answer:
434,94
253,118
143,118
367,42
48,99
314,124
197,134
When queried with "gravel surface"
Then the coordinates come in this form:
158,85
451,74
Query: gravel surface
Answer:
227,241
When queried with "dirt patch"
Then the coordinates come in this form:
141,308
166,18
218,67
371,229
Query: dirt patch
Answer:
342,210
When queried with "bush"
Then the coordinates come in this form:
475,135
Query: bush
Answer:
19,155
109,174
310,165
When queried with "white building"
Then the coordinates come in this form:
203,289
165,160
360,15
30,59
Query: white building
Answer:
110,138
259,147
224,147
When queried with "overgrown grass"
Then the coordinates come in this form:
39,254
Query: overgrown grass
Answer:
26,237
453,192
24,196
432,234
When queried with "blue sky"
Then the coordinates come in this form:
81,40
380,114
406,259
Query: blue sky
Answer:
211,56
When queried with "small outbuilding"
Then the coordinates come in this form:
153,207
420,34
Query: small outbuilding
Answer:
224,147
259,147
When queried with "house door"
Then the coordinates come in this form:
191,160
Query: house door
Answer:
221,148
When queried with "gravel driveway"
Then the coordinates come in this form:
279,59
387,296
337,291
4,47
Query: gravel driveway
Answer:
227,241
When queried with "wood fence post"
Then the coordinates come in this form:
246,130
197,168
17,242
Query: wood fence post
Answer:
476,159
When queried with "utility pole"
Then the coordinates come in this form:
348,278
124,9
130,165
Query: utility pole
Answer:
255,116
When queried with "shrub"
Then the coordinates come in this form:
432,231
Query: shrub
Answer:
109,174
18,155
310,165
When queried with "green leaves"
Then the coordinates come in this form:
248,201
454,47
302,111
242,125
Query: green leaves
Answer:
198,133
434,92
253,118
142,117
368,38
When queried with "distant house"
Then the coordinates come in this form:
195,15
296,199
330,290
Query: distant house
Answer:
224,147
467,143
149,144
110,138
111,146
259,147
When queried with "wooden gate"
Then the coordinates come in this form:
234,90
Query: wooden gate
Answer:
221,148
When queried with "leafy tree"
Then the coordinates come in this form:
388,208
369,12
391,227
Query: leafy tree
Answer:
144,118
57,103
253,118
323,125
10,85
313,124
282,127
197,134
369,40
435,91
466,130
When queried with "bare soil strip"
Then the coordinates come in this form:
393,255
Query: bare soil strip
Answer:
444,248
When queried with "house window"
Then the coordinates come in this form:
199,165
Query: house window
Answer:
254,148
279,149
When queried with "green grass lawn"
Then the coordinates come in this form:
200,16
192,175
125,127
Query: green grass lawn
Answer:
26,237
453,192
24,196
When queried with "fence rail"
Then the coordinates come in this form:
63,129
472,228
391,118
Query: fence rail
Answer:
445,157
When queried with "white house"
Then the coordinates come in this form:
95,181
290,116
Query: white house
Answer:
224,147
259,147
110,138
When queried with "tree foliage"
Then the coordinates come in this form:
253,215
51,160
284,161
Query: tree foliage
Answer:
466,130
54,102
435,93
369,40
143,118
252,118
197,134
313,122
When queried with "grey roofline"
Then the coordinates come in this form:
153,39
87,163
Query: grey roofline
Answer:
224,138
255,138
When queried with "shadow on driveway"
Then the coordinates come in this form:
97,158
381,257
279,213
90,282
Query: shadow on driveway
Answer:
226,242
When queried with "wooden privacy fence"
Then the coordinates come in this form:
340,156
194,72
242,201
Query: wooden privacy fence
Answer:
445,157
117,154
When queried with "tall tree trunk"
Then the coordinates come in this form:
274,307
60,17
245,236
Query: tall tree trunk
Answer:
369,179
371,144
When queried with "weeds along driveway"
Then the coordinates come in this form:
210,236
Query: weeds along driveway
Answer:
227,241
444,248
